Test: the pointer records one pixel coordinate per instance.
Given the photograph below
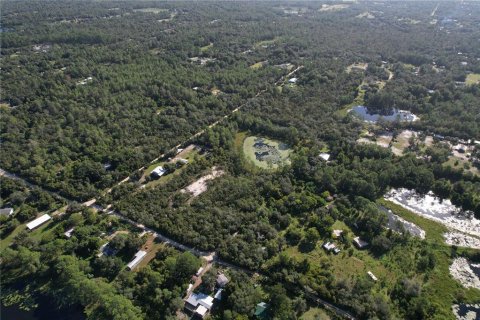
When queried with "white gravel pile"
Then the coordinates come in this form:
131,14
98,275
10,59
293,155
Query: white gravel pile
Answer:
461,240
466,311
462,271
433,208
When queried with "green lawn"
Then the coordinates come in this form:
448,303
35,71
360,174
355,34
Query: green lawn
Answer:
257,65
472,78
205,48
315,314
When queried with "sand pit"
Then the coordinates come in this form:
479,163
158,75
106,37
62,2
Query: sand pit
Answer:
433,208
461,240
466,273
466,311
200,186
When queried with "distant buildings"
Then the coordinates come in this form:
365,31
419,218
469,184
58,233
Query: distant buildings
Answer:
38,222
138,258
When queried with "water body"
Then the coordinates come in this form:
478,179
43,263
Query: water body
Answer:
46,311
397,115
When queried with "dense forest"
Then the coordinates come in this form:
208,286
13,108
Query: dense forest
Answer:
93,92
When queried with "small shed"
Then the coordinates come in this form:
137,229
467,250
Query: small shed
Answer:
222,280
138,257
372,276
293,80
6,211
261,311
38,222
324,156
69,232
359,243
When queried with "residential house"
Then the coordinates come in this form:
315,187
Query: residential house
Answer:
199,304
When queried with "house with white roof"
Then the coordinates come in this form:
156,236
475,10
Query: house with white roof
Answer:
38,222
199,304
159,171
138,257
324,156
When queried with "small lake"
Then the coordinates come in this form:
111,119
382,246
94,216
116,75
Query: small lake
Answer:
400,115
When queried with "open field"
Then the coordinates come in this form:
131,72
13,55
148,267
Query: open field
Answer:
472,78
266,153
205,48
315,314
150,10
402,142
188,154
200,186
258,65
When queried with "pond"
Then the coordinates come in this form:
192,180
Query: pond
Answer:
266,153
400,115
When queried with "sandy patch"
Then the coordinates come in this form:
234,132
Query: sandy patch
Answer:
466,273
433,208
357,66
461,240
384,140
365,140
367,15
200,186
402,142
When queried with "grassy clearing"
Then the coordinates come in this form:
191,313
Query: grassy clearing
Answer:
434,231
4,243
472,78
315,314
266,42
458,163
358,101
207,47
276,153
190,156
257,65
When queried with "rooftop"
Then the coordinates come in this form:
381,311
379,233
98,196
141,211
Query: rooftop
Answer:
39,221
